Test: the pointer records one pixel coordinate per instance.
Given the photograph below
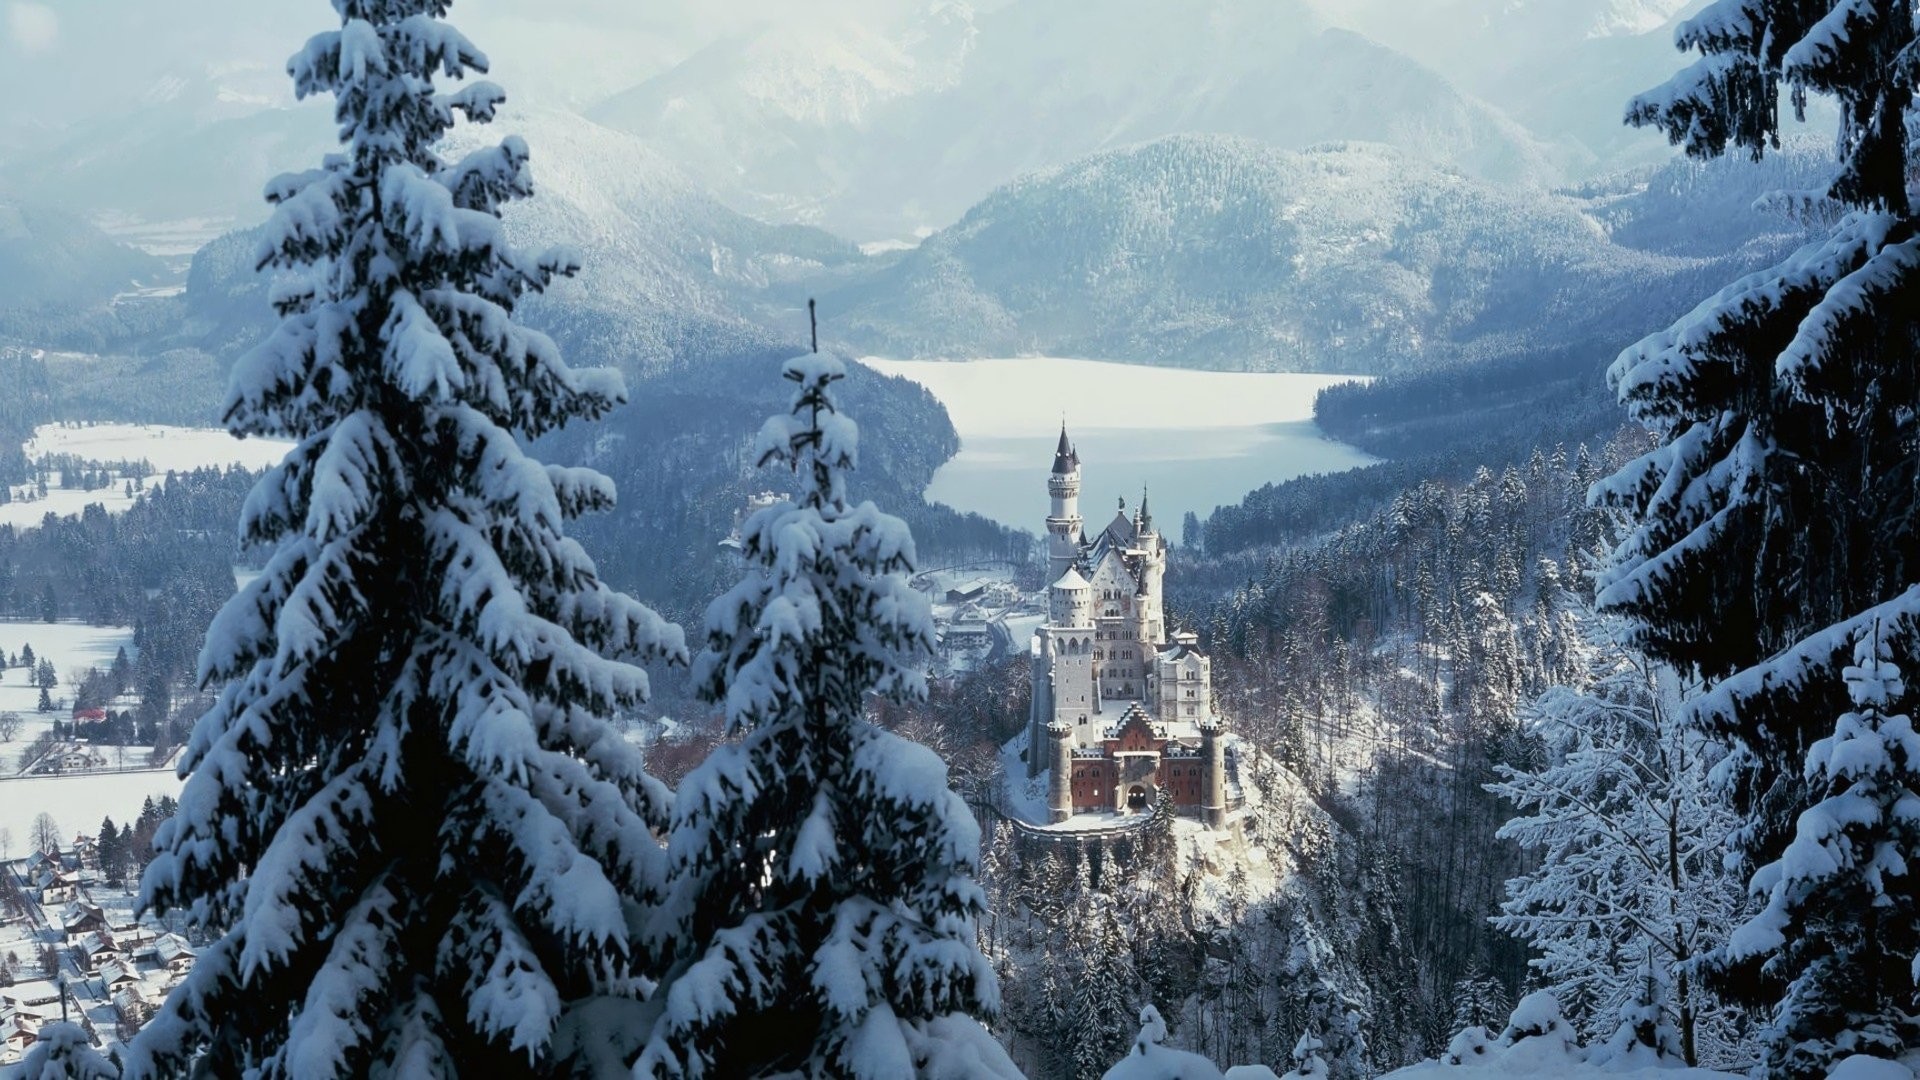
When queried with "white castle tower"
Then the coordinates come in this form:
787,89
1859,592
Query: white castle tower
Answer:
1063,523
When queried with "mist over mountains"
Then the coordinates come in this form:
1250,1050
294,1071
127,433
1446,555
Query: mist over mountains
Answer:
877,136
1222,183
1221,252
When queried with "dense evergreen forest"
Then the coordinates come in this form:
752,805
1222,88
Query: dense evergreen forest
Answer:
562,703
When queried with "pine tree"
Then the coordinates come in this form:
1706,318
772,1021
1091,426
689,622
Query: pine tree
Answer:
1630,838
1841,923
1479,1001
1645,1034
1307,1063
418,842
824,909
1104,993
113,858
1776,516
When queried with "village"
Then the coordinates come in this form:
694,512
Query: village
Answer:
72,949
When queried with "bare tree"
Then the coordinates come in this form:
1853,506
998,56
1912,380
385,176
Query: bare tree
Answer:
46,834
10,724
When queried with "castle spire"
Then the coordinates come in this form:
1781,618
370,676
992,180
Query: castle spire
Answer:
1146,516
1065,458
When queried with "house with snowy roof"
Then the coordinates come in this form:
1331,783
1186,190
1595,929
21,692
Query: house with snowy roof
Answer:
116,972
94,949
133,1004
59,887
172,952
18,1031
38,998
1122,709
81,918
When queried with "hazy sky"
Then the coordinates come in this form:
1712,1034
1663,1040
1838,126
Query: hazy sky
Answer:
63,59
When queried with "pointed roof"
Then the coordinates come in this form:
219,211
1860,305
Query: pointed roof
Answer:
1146,516
1065,458
1071,580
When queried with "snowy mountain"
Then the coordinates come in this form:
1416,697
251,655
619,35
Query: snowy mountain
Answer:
878,131
1563,68
667,271
131,110
203,147
1219,252
50,259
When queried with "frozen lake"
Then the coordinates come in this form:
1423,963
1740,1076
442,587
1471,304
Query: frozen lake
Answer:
1194,439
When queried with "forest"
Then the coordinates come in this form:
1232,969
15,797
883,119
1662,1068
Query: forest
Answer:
564,702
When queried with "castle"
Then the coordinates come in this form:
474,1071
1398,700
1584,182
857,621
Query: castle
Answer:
1122,710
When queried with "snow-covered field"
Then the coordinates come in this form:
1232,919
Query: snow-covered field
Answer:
71,647
167,448
1194,439
78,801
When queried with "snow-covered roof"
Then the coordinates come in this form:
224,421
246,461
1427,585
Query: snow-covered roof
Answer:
1071,580
38,992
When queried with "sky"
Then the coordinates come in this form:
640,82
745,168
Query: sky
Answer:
70,59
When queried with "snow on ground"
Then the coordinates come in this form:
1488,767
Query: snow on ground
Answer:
1195,439
166,448
78,801
1517,1066
72,647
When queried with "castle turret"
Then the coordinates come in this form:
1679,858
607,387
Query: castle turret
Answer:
1213,750
1063,523
1060,784
1152,568
1070,601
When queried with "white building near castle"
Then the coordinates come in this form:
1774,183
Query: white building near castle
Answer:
1122,710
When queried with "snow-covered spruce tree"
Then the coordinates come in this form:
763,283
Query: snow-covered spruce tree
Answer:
824,904
1104,994
422,847
1777,515
1630,837
1841,923
1307,1064
1644,1035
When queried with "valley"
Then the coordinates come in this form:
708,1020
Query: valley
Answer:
719,628
120,462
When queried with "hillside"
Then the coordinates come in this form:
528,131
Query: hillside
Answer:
1562,68
1220,252
59,275
874,132
668,272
